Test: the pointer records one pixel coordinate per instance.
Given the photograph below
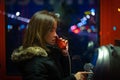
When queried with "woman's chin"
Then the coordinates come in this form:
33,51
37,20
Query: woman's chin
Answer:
52,44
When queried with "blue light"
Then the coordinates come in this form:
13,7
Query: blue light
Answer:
9,27
83,22
92,28
79,24
92,10
114,28
22,27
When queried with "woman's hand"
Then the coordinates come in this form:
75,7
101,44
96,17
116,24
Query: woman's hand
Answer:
65,50
63,45
81,75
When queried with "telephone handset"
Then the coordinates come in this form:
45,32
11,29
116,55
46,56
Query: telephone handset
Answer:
61,43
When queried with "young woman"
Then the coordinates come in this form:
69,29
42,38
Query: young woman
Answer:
39,58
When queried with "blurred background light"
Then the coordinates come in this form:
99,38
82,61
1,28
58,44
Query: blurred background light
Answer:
17,13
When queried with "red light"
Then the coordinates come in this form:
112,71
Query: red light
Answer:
76,31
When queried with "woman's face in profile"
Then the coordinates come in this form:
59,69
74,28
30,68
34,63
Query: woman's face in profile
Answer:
50,37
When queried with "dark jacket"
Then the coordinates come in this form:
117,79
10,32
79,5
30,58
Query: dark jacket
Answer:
36,64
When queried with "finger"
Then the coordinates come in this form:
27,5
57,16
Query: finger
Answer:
66,41
86,72
61,38
82,76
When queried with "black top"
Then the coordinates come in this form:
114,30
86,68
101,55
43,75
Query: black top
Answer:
53,67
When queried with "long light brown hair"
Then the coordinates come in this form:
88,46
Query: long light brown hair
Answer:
40,24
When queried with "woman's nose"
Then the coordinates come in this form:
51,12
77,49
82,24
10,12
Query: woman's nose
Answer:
56,35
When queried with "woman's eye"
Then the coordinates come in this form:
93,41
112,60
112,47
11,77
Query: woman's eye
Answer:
51,30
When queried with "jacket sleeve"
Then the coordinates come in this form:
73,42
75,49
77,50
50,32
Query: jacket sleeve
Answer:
71,77
35,70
